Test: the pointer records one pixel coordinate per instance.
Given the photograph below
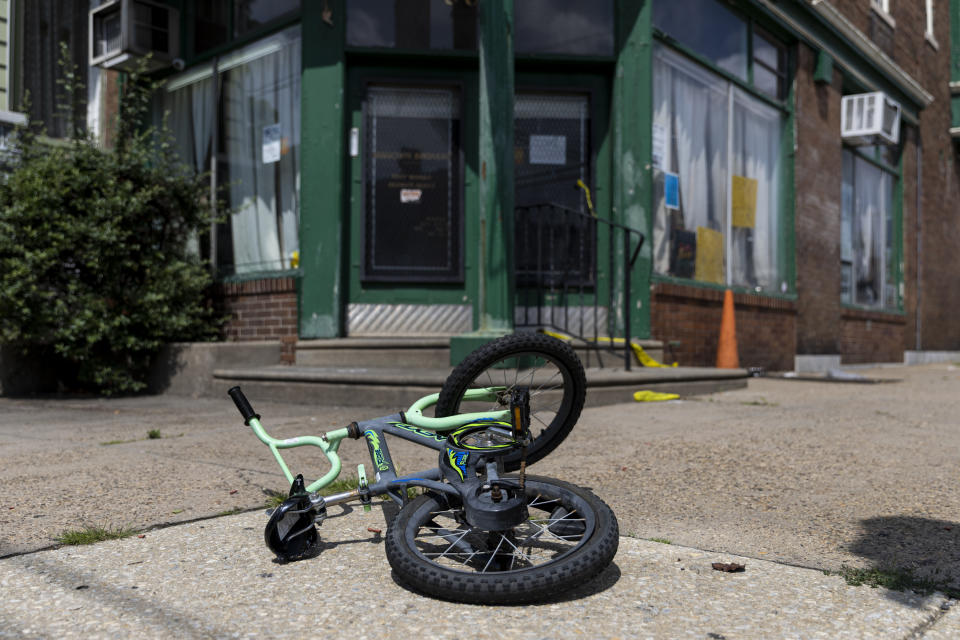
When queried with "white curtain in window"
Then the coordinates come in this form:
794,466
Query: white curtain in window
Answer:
690,124
261,89
188,103
871,222
756,156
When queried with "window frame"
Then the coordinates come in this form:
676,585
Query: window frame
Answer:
896,221
928,31
189,25
786,262
471,56
211,248
882,9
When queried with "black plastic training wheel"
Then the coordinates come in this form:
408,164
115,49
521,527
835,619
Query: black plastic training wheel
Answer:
290,533
569,537
548,367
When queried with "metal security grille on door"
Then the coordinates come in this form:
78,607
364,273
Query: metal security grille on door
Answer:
551,153
413,185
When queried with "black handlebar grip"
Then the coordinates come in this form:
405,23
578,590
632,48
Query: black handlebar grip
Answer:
243,405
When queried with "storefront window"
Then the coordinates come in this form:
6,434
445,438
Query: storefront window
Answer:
249,15
564,27
769,66
254,110
569,27
708,28
867,234
211,26
215,22
412,24
716,159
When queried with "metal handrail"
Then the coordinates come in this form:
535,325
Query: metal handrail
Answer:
556,261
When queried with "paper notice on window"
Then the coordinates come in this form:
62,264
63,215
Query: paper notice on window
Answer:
410,196
709,267
744,192
659,145
671,190
548,149
272,145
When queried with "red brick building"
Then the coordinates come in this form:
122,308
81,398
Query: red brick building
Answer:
904,43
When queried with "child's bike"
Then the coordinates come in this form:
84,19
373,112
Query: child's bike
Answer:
476,533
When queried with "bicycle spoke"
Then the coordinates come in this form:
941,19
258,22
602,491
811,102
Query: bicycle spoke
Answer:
516,550
493,555
537,418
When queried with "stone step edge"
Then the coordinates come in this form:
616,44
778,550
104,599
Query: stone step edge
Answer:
416,343
436,377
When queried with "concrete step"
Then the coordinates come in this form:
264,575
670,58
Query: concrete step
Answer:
425,353
398,387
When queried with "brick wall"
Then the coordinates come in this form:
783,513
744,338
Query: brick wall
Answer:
871,336
690,316
818,167
930,291
264,309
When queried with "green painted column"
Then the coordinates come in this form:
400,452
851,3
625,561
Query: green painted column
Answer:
322,192
632,172
955,63
495,290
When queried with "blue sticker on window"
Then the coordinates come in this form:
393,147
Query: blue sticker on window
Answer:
671,190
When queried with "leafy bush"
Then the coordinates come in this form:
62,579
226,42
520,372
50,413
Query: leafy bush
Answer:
94,259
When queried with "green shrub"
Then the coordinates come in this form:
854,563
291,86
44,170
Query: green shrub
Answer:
94,259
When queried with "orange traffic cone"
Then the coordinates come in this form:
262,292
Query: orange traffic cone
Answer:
727,357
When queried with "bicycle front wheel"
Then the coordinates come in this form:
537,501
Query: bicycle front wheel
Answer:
569,537
547,367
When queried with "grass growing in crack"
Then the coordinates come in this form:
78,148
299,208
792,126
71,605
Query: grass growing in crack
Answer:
89,535
893,579
230,512
154,434
660,540
276,498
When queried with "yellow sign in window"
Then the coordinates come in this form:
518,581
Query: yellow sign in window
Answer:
709,256
744,202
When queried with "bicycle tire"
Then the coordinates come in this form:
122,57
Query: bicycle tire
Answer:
574,555
552,418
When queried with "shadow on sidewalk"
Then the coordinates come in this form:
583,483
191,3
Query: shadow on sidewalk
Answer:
908,552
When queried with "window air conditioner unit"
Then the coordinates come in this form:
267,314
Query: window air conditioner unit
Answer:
122,32
869,118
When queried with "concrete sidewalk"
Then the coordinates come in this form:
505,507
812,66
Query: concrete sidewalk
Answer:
779,476
215,579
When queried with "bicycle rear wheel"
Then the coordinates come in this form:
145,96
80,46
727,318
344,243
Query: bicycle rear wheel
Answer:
569,537
549,368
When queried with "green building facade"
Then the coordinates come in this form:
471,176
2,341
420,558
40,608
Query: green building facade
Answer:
378,153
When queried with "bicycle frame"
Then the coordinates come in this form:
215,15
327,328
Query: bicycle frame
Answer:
410,425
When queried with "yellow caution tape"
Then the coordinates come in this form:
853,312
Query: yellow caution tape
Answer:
586,191
653,396
642,356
